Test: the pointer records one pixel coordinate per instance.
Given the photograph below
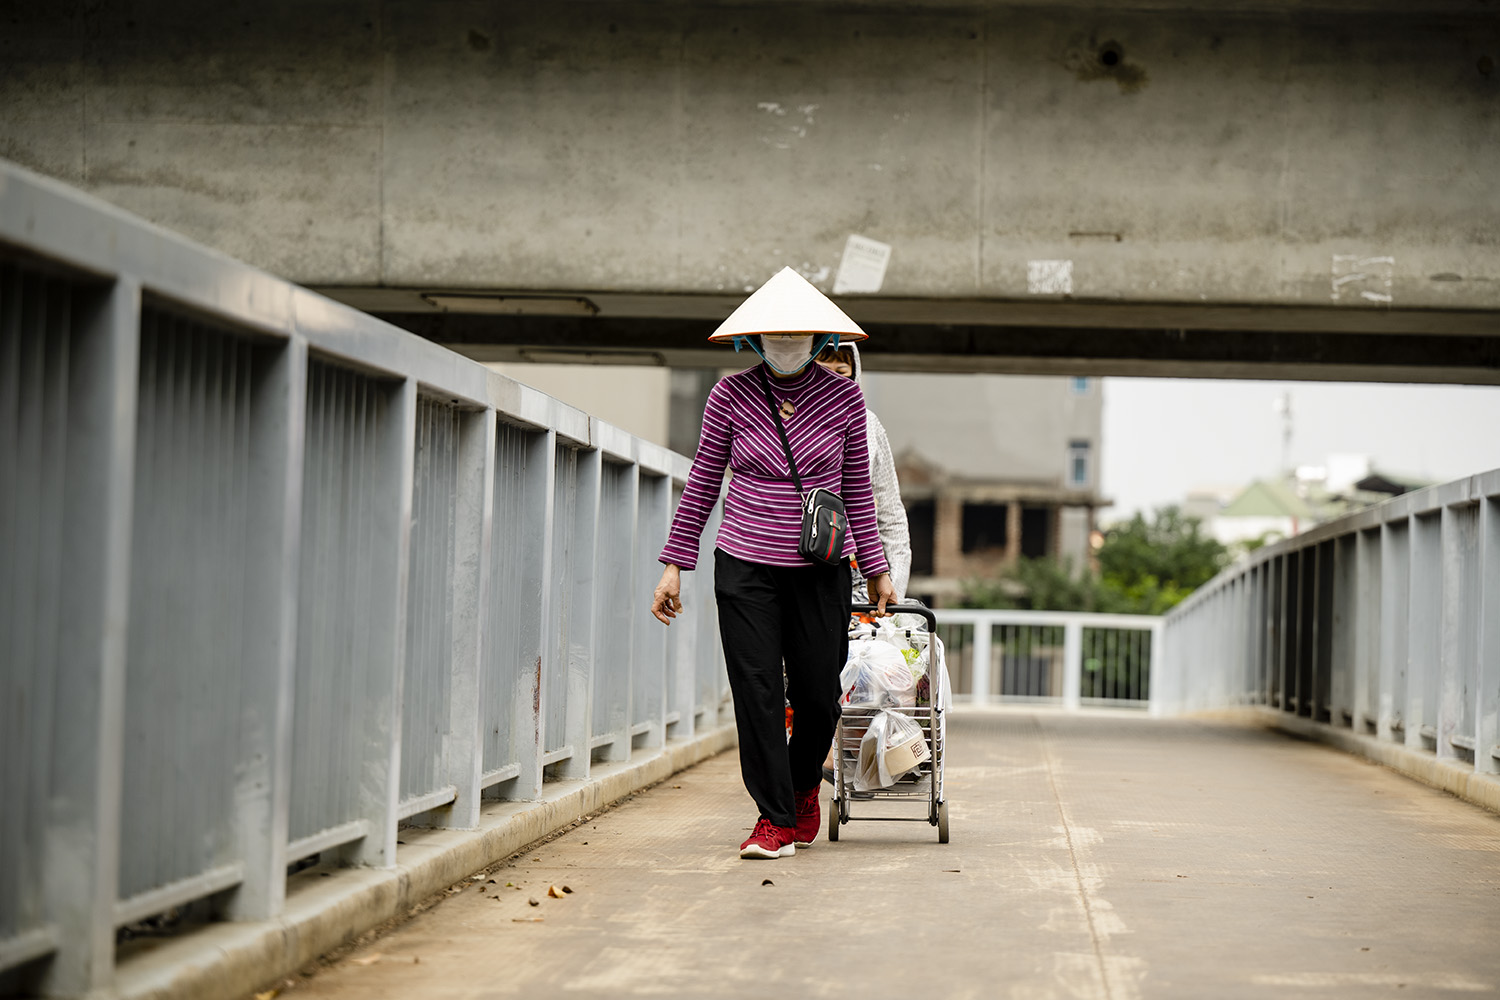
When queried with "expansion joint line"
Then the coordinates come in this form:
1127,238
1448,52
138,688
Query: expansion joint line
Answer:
1067,826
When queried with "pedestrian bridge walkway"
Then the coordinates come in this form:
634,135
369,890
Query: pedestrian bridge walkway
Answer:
1103,856
303,619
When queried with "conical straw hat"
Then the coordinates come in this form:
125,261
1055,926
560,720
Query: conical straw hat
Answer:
788,303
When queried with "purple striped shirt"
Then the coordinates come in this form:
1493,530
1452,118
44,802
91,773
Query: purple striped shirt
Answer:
762,511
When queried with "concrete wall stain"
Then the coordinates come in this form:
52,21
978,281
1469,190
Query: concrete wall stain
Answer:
1093,60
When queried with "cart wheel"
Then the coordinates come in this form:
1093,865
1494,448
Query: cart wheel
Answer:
942,822
844,809
833,820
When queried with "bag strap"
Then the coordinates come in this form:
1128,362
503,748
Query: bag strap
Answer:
765,387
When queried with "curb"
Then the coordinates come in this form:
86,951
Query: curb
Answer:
1453,777
230,960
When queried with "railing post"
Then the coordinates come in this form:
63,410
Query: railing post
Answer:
474,509
980,672
82,851
649,668
1394,559
1072,697
1365,654
1424,625
582,655
620,611
1487,695
529,703
278,428
1458,628
1155,701
380,766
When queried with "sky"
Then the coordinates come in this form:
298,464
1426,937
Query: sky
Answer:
1165,437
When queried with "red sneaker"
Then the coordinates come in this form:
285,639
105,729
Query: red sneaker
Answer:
809,818
768,841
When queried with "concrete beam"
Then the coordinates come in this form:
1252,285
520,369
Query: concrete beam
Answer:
1251,165
1472,358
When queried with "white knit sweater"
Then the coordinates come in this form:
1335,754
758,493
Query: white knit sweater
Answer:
890,512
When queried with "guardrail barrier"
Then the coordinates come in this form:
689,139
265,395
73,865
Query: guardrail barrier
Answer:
1385,623
1071,659
276,577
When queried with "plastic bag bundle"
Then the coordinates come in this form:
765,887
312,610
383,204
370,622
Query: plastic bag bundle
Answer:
876,675
892,745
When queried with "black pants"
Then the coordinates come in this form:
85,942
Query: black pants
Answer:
770,616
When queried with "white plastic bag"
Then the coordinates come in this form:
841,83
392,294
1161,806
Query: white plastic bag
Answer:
877,675
891,746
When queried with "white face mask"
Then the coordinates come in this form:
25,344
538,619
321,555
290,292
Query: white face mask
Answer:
786,355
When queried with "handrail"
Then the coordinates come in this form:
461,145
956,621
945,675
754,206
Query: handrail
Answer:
277,577
1384,623
1067,658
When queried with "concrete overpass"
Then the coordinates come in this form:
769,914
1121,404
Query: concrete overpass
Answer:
1266,188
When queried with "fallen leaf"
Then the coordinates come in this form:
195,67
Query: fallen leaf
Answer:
952,871
367,960
534,901
268,994
490,882
555,892
509,884
567,888
527,920
676,786
766,881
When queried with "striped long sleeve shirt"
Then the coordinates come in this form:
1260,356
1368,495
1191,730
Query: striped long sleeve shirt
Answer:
762,511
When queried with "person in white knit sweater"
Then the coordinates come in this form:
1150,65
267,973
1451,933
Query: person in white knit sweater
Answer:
890,512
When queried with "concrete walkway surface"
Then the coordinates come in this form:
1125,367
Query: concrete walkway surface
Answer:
1093,856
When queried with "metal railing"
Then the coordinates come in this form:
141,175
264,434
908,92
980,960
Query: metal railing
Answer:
276,577
1072,659
1385,622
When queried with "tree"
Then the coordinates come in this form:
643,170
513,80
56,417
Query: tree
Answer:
1145,567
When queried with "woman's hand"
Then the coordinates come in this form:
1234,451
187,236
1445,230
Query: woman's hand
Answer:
882,592
666,601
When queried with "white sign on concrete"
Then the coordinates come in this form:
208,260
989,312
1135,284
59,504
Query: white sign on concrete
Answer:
863,266
1362,279
1049,277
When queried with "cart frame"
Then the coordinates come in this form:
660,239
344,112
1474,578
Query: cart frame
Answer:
925,781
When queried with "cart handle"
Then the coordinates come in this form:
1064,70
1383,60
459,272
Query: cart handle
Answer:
903,609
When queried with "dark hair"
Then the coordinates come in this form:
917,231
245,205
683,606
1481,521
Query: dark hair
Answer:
834,352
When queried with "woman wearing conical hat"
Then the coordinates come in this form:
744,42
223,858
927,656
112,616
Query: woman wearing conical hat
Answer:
777,609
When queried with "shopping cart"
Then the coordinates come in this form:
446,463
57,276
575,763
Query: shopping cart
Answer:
922,784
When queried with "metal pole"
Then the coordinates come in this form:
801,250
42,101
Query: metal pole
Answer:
81,866
1072,698
274,507
980,672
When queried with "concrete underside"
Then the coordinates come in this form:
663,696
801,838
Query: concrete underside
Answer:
1105,856
1239,189
329,908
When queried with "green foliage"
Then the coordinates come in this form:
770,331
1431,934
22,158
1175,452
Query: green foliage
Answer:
1145,567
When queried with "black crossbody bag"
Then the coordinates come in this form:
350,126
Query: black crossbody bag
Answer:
824,523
